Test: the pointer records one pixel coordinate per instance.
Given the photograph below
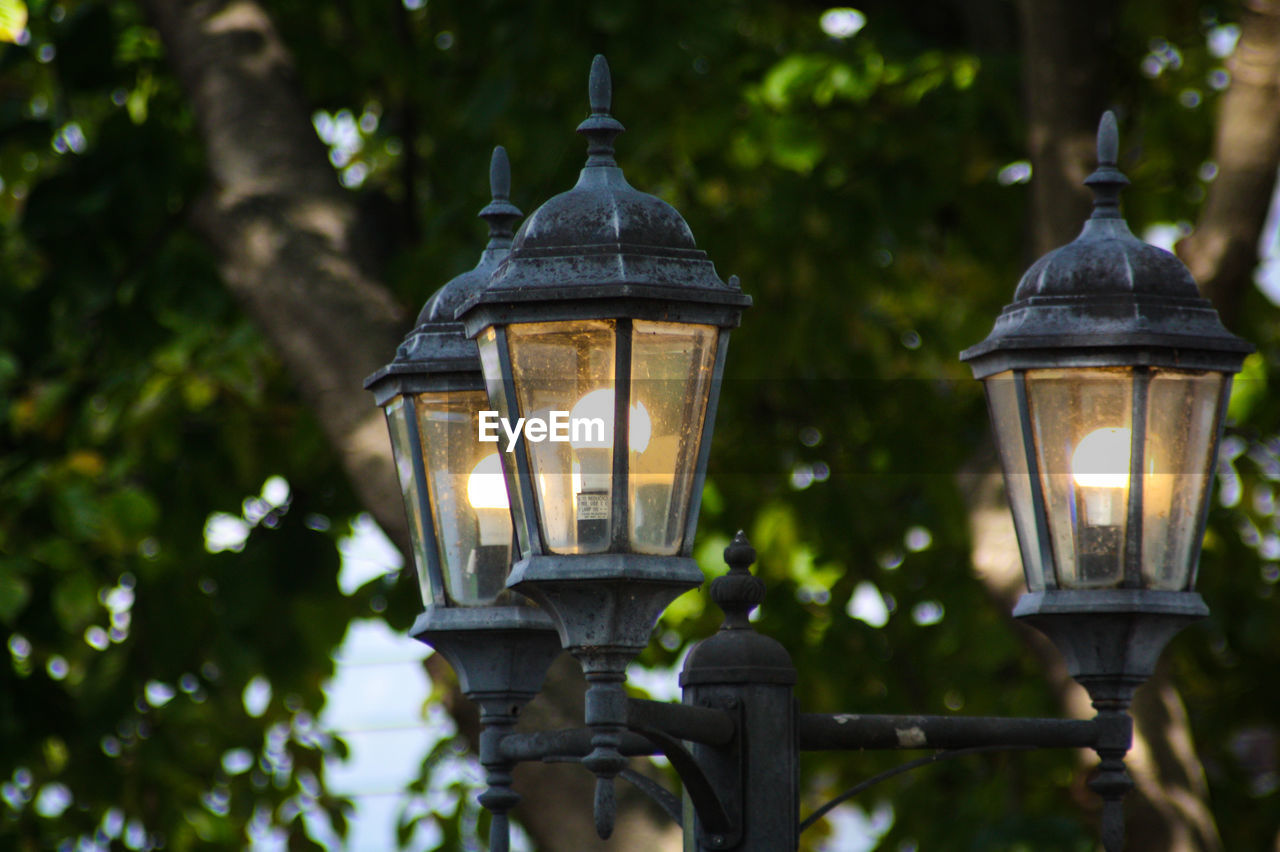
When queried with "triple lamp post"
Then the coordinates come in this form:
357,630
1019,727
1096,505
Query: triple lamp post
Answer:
551,416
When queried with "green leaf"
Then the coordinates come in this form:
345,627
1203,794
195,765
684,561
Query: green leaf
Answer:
129,514
13,20
1249,388
75,601
15,591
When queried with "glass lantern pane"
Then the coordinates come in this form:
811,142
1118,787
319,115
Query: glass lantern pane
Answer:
497,393
1182,422
1082,423
398,412
671,368
1006,420
563,373
468,496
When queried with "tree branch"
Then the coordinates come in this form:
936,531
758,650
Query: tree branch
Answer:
282,230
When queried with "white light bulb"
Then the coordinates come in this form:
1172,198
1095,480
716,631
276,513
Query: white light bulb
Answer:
1101,459
486,489
1100,467
598,406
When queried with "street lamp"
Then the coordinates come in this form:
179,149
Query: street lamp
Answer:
1107,380
602,336
607,316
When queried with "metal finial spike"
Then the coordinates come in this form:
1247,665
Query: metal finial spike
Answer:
500,174
739,591
500,213
1107,180
600,128
606,807
1108,140
740,554
600,86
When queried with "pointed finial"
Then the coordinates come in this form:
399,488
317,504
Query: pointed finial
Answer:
600,86
500,174
1107,181
600,127
500,213
1108,140
739,591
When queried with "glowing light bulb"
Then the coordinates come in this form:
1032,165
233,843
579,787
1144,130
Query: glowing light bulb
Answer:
1101,460
486,489
487,494
597,406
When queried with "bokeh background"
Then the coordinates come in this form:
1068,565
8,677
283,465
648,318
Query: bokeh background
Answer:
217,217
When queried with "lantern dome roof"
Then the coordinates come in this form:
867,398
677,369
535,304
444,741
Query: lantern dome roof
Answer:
1107,298
603,240
604,210
437,354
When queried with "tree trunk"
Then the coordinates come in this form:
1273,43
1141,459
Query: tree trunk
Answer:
284,233
1222,251
282,229
1065,50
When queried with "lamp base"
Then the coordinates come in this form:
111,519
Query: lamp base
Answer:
604,600
501,655
605,606
496,651
1110,638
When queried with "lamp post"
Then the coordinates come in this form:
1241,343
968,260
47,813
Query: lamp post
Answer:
602,333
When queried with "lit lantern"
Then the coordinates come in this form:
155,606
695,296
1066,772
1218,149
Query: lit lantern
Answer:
433,394
602,337
497,642
604,332
1107,381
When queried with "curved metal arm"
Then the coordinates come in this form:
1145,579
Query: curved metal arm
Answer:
571,745
898,770
665,725
661,796
706,801
664,798
656,727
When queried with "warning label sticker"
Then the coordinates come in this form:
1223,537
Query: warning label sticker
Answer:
593,506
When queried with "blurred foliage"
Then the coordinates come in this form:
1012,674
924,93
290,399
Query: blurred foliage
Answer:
866,188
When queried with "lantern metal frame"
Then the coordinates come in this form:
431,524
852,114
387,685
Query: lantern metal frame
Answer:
736,737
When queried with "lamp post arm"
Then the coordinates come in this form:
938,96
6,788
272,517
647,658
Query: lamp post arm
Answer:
714,820
851,731
566,744
706,725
